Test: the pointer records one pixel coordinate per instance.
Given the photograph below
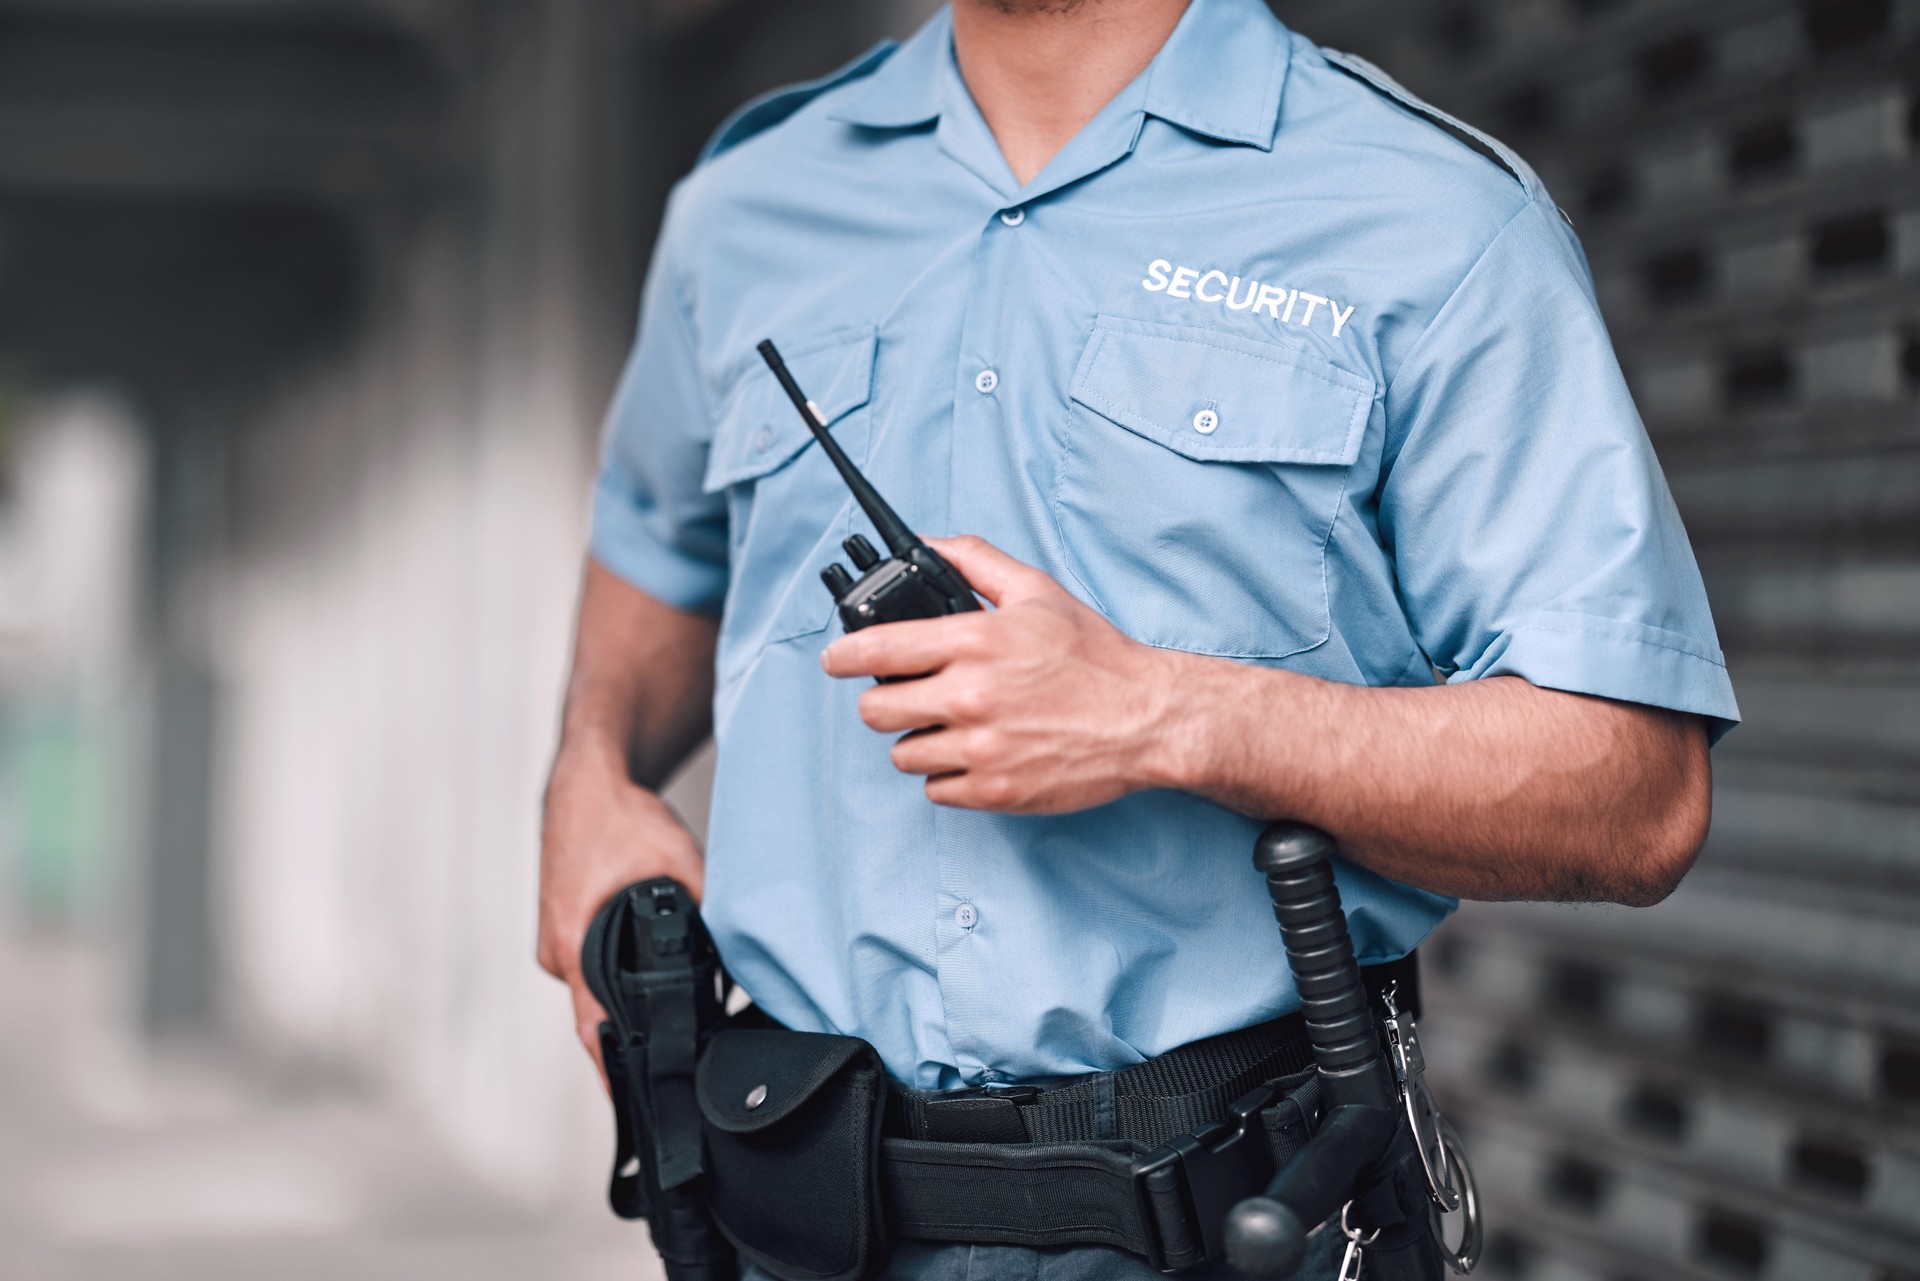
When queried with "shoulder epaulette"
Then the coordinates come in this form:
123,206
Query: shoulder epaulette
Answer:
769,109
1381,83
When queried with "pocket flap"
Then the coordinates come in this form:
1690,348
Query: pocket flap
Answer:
759,427
1218,397
752,1078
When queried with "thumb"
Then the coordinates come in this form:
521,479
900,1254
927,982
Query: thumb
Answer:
991,572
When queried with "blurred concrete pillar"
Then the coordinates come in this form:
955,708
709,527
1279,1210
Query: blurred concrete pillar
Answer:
71,586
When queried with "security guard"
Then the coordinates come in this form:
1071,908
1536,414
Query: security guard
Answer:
1263,392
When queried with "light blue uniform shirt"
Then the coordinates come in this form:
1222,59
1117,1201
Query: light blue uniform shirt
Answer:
1267,364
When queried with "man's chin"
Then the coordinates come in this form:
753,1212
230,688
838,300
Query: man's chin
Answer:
1030,8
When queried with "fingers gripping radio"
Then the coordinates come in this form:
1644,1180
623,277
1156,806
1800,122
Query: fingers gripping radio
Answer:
913,580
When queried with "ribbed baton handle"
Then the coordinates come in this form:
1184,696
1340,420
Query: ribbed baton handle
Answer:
1297,861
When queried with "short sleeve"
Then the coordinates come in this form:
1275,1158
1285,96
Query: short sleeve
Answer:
1532,531
653,525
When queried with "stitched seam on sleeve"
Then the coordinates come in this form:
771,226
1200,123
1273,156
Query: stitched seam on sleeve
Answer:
1433,324
1679,645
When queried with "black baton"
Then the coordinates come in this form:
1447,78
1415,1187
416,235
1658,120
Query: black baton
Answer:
1351,1167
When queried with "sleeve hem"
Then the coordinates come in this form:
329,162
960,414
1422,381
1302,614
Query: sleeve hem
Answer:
627,548
1610,658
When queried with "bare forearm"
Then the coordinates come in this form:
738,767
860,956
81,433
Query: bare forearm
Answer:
1494,789
637,703
640,693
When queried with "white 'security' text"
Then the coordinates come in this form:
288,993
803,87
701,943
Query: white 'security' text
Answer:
1287,306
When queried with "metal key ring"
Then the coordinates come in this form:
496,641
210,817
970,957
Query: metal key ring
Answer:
1352,1233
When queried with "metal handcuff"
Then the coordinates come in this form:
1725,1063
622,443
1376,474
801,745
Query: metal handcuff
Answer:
1450,1185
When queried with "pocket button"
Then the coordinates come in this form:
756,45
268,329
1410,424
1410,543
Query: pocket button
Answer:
1206,422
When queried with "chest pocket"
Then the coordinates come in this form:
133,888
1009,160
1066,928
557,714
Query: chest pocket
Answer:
787,508
1201,482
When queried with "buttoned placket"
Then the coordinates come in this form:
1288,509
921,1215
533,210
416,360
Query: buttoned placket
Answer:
986,380
979,382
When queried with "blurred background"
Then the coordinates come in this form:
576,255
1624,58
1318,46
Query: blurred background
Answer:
307,314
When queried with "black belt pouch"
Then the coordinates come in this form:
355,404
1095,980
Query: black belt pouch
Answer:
793,1150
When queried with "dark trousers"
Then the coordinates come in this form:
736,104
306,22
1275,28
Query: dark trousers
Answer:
927,1261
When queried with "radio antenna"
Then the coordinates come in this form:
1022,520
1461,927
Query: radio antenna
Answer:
892,530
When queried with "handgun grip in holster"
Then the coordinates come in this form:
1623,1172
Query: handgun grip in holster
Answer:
649,962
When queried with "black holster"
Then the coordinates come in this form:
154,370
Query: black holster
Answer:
731,1133
650,963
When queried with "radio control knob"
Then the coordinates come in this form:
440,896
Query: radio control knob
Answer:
861,552
837,579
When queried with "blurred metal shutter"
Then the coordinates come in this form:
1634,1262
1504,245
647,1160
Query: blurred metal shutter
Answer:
1727,1085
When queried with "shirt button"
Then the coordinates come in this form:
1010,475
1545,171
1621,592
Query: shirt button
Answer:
1013,217
965,916
763,440
985,381
1205,422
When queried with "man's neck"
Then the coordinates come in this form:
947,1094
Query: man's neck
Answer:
1041,69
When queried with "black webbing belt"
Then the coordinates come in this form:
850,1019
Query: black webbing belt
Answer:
1180,1091
1092,1161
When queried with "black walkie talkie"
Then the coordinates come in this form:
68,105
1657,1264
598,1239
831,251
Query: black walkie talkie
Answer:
914,582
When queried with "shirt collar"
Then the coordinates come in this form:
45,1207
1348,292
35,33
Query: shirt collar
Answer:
905,91
1221,73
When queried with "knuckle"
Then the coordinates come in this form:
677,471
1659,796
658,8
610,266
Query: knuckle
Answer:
982,746
997,790
972,701
985,790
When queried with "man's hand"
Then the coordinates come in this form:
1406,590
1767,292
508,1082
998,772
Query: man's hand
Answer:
601,834
1489,789
1039,706
637,703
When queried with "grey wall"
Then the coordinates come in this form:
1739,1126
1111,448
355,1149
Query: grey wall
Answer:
364,274
1728,1085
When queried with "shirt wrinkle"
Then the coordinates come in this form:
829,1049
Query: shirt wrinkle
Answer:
1133,385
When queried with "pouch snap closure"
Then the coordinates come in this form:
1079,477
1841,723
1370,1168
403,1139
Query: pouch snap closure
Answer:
756,1096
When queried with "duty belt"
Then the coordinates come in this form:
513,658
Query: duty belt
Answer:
1149,1159
805,1162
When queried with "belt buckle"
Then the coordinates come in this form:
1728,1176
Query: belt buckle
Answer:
1212,1170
